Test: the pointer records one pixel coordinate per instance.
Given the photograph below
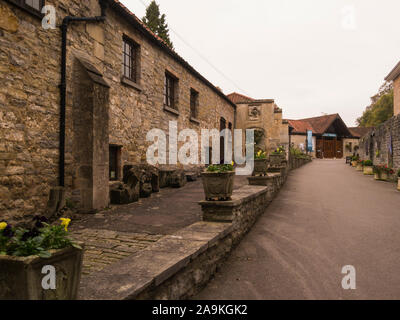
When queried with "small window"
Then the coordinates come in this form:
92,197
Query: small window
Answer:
33,6
115,156
170,89
194,102
130,60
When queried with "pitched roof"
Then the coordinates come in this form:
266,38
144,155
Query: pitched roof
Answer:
141,26
359,132
239,98
394,74
318,125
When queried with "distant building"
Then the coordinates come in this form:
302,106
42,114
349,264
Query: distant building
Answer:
394,76
265,117
331,138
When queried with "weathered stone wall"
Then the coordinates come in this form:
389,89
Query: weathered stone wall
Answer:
378,140
29,99
396,94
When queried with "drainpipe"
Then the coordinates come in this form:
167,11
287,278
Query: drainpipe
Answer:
63,85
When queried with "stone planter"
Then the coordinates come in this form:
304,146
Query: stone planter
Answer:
398,183
260,167
359,167
218,186
21,277
354,164
384,176
377,176
368,170
276,159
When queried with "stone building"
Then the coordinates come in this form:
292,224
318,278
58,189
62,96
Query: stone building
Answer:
329,133
271,131
382,144
77,127
394,76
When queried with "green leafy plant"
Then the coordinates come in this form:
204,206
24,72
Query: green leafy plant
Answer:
298,154
367,163
220,168
355,158
39,240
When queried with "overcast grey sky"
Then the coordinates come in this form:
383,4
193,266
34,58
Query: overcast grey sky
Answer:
311,56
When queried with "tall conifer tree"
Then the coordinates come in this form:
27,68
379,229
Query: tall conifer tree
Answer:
157,22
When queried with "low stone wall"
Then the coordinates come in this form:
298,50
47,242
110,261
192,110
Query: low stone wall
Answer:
180,265
247,204
273,181
296,163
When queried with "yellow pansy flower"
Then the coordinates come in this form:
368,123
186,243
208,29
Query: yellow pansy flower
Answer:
3,225
65,222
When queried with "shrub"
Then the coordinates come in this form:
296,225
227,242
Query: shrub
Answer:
368,163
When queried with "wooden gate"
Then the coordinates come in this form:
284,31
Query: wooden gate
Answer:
329,149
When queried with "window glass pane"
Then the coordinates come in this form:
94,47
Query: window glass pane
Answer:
33,3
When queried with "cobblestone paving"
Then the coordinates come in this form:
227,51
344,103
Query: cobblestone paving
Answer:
104,247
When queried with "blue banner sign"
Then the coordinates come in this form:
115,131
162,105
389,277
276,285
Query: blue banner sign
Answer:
309,141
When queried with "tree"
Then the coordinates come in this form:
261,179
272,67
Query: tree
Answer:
381,108
157,23
163,31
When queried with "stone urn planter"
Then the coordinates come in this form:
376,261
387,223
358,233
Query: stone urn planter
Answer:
368,170
276,159
260,167
218,185
384,176
360,167
21,277
377,176
354,164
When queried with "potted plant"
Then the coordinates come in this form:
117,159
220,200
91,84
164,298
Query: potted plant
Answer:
260,163
359,166
377,172
386,171
218,182
26,256
277,157
354,160
398,180
368,167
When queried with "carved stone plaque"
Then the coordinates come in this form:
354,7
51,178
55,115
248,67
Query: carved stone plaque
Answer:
254,113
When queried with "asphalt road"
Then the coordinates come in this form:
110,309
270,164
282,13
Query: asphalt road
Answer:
327,216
